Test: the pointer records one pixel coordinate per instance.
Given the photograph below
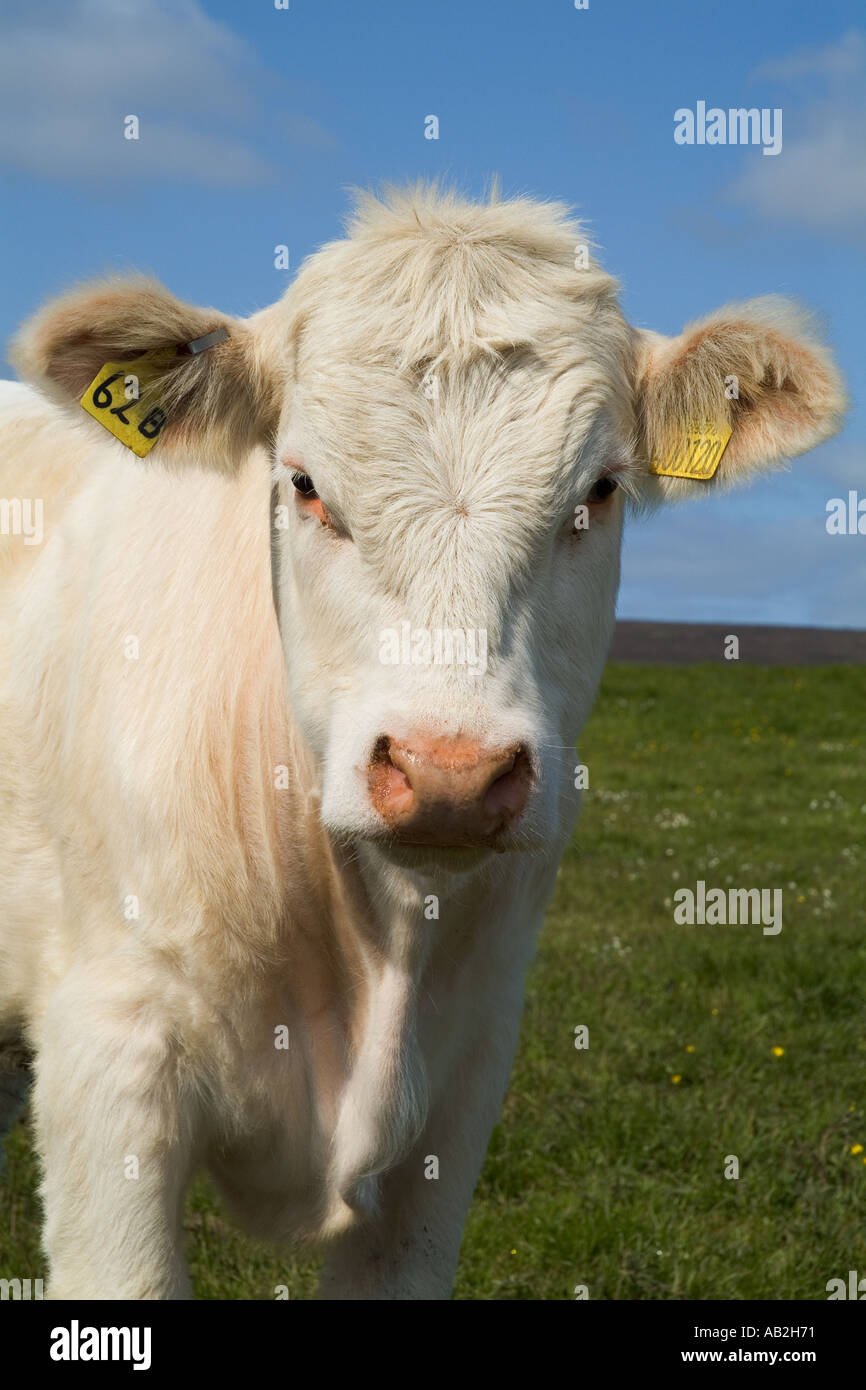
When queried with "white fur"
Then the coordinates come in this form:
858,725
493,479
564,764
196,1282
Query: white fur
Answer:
155,777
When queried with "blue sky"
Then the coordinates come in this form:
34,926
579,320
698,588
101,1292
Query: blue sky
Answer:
255,121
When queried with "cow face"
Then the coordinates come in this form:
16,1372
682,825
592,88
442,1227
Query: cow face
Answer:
456,415
448,577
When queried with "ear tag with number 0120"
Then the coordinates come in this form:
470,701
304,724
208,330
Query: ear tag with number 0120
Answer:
696,455
114,398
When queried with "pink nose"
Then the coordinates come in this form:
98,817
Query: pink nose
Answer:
448,791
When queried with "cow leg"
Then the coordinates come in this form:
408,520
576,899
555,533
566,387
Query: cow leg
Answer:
115,1138
409,1250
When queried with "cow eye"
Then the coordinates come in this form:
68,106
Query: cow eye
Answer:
603,489
304,484
309,500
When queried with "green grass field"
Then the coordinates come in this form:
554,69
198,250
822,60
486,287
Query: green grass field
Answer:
607,1168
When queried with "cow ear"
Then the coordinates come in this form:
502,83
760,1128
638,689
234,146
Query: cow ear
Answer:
219,400
757,369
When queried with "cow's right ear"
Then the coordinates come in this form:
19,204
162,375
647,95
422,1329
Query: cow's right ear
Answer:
219,402
754,373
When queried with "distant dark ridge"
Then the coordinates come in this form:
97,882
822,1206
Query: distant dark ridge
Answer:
675,644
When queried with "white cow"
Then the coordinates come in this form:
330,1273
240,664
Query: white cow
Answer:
272,863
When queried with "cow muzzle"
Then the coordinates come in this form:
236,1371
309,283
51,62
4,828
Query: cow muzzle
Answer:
448,792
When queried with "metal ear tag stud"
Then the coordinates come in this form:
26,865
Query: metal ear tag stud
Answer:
209,340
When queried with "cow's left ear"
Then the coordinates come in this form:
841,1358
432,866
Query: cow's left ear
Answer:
757,369
219,400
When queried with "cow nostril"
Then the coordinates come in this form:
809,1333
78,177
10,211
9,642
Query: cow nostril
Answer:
381,750
507,794
389,785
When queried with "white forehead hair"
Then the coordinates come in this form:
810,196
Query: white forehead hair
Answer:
425,275
463,348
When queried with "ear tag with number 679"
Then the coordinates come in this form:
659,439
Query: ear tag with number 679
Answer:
114,398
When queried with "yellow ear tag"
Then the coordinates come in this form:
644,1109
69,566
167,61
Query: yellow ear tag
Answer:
696,455
114,398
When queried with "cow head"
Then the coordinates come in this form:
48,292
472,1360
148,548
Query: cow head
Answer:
456,415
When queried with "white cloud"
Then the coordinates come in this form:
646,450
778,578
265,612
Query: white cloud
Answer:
71,70
819,183
846,56
819,180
